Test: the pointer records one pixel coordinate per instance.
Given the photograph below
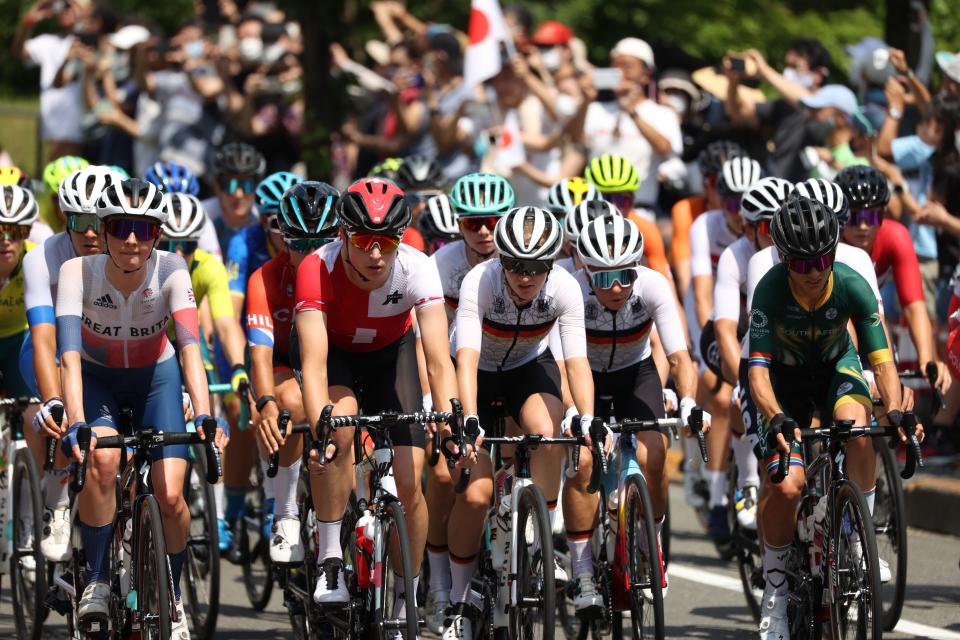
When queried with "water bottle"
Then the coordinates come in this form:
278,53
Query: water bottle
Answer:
613,512
364,535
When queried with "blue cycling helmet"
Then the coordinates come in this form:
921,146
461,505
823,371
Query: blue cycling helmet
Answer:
173,178
271,189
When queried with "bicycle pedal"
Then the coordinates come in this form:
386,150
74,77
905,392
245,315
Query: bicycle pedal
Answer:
95,627
294,606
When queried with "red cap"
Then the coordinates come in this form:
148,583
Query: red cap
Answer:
551,32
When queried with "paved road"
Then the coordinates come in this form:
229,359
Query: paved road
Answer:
705,600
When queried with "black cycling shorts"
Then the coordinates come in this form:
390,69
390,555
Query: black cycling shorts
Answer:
514,386
384,380
636,392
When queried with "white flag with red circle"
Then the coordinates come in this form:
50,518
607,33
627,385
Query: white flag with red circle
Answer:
486,31
510,151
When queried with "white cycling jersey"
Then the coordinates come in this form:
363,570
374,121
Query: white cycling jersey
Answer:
709,236
489,322
567,264
730,289
451,261
41,273
619,339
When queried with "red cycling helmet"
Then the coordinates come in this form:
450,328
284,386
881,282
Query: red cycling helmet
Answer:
551,33
374,205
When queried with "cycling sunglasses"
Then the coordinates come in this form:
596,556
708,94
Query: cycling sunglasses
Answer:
606,279
80,222
143,230
763,226
186,247
622,200
872,217
231,185
474,224
521,267
14,232
367,241
806,265
731,204
306,245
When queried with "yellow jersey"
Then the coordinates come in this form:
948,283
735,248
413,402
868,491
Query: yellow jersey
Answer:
210,280
13,309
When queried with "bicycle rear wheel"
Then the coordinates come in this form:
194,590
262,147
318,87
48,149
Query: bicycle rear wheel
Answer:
745,547
202,564
889,521
152,575
855,609
386,618
533,615
644,566
27,565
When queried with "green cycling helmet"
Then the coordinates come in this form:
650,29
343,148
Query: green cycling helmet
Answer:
612,173
118,169
387,169
482,194
56,171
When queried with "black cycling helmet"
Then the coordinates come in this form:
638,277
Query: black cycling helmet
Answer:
865,187
805,228
309,210
238,159
713,156
419,172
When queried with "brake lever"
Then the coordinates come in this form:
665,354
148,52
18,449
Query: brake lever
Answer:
273,464
57,414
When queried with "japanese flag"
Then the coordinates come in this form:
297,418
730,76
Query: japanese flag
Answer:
486,31
510,152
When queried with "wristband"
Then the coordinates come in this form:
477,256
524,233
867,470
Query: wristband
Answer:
262,402
895,417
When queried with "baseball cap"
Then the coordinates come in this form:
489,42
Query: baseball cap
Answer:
550,33
635,48
833,95
949,63
129,36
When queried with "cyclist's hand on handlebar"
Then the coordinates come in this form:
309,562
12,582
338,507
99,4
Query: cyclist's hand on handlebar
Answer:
69,443
670,402
908,398
775,423
943,380
239,380
566,425
187,407
44,420
268,430
687,405
220,439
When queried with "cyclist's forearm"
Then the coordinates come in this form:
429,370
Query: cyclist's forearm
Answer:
231,336
888,384
762,391
261,371
195,378
703,297
920,331
45,360
684,374
312,333
580,378
467,361
72,382
729,348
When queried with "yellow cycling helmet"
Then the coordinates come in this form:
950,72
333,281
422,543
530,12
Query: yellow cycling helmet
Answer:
10,176
612,173
56,171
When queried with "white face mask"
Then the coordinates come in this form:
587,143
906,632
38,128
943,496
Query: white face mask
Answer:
677,102
551,58
805,80
251,49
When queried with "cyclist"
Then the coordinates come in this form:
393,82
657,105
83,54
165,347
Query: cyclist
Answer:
112,314
685,211
78,196
579,218
891,248
710,234
236,170
386,169
308,220
757,206
439,224
479,200
420,178
172,178
353,314
507,309
803,359
565,195
11,175
622,304
53,175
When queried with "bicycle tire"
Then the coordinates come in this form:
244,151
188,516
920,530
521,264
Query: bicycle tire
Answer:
646,612
256,568
665,534
532,506
890,524
202,563
28,600
152,575
852,516
394,523
744,545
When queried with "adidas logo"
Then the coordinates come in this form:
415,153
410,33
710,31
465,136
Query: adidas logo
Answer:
105,301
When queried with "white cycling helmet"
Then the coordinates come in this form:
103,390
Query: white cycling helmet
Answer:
825,192
528,233
440,219
80,192
764,198
185,217
583,214
563,196
132,197
610,242
18,206
737,175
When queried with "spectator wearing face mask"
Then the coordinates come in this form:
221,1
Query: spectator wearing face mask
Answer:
832,110
949,64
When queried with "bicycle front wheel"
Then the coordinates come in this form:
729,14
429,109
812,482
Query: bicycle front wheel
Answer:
27,566
890,524
387,616
153,579
855,606
532,615
202,563
255,547
644,567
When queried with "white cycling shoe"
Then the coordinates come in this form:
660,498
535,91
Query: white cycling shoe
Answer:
55,543
747,508
179,630
95,605
436,610
773,617
285,544
331,586
586,595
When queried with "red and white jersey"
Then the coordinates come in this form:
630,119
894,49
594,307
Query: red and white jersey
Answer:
360,320
709,236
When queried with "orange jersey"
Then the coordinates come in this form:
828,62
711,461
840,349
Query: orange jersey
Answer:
684,212
653,248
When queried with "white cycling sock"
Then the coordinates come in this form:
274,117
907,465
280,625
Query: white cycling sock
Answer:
440,579
718,487
220,498
268,482
399,596
56,488
747,474
285,488
871,496
461,573
775,568
581,560
328,540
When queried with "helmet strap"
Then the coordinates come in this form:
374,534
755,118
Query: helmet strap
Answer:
481,257
346,260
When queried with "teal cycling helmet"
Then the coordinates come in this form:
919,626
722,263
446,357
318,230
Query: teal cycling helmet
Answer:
271,189
482,194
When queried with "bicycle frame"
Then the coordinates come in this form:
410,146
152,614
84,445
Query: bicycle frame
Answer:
11,441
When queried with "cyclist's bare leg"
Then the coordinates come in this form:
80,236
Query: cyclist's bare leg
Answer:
241,452
652,456
777,509
288,396
541,413
407,471
440,501
718,439
331,484
167,475
861,458
470,509
97,502
580,507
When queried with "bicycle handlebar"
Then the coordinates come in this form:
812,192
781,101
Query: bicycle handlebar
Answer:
931,370
57,414
274,461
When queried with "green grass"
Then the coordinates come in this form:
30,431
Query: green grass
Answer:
19,119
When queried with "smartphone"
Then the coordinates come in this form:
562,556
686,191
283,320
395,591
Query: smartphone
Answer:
88,39
605,79
738,65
